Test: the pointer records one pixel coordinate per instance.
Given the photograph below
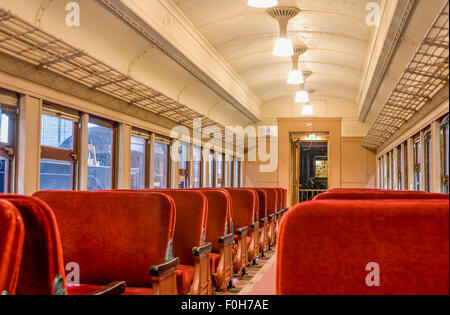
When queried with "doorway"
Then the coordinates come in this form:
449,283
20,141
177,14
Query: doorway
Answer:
311,166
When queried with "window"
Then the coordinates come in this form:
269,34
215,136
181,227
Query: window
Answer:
7,133
417,162
445,154
161,165
399,168
237,173
380,172
183,165
405,163
230,171
428,161
388,171
139,158
197,167
58,152
220,178
101,147
211,166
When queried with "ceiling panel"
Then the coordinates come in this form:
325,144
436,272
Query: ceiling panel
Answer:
334,31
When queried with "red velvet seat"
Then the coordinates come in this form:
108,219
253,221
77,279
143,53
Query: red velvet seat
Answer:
190,234
245,207
117,237
272,209
370,194
325,246
263,243
42,267
12,233
219,234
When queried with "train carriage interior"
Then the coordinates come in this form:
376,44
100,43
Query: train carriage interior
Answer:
224,148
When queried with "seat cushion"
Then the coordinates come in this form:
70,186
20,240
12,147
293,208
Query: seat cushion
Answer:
185,275
85,289
214,259
249,239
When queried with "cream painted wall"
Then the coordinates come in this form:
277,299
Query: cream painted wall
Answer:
351,165
324,107
358,165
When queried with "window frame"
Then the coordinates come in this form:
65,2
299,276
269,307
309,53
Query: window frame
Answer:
212,177
222,161
58,154
238,172
8,149
201,184
185,172
167,143
444,138
399,168
103,122
428,161
147,138
417,151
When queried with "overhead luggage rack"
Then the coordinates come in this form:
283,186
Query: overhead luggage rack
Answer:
29,43
427,73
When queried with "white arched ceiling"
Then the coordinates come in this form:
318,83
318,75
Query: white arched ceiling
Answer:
335,32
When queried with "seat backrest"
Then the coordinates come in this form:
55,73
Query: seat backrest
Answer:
192,213
42,266
245,204
364,194
284,200
219,215
12,233
280,196
325,247
262,196
113,236
272,200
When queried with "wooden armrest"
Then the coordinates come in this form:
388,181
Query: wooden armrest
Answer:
270,217
226,239
165,268
114,288
242,230
201,250
263,221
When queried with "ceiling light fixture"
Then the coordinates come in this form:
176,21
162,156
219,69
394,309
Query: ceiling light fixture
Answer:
307,110
303,95
262,3
295,75
283,46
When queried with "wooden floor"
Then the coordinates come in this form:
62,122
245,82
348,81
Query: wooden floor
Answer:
245,285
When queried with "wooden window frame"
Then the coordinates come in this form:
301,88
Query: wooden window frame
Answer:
216,167
399,168
102,122
146,158
444,149
212,179
417,151
428,162
7,149
63,155
201,185
168,164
